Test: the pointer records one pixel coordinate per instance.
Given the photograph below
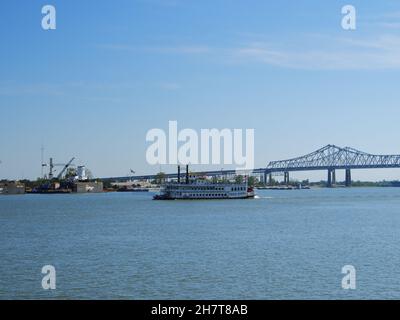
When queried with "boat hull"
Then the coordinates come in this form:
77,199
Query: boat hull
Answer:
159,197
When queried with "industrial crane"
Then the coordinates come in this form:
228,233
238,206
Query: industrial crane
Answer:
52,165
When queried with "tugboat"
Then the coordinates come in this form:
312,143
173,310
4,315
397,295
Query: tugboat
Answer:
203,190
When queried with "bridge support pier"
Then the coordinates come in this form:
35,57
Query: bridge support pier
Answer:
329,181
331,178
348,178
286,178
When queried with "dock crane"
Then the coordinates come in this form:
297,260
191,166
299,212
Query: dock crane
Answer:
65,168
52,165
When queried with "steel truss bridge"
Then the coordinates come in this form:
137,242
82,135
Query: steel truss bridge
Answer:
329,158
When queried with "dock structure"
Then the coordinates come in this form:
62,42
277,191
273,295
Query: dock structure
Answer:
12,187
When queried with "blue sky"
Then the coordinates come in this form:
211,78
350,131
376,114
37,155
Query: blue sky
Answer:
112,70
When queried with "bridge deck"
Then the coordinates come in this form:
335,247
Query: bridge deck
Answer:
328,158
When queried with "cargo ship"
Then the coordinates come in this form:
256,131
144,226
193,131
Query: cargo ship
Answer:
203,190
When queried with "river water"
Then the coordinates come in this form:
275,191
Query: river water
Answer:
282,245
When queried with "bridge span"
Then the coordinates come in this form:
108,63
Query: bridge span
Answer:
332,158
329,158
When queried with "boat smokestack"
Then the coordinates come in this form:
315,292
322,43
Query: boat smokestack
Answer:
179,174
187,174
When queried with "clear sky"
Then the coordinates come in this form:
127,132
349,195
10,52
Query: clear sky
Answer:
112,70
